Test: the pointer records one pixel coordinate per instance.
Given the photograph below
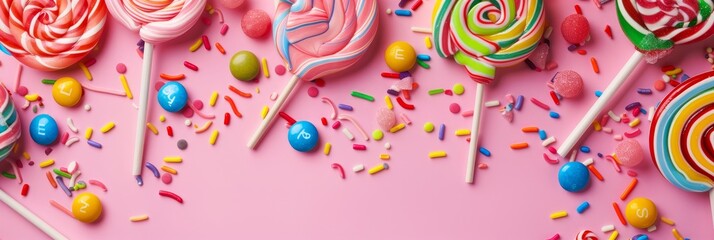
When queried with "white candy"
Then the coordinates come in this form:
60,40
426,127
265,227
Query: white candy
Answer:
358,168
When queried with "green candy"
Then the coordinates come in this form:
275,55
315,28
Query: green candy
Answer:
244,66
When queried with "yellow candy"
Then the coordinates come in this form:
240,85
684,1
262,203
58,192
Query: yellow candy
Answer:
86,207
641,213
400,56
67,91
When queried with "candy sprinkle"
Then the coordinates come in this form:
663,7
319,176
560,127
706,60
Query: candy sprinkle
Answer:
362,96
214,137
107,127
437,154
557,215
139,218
619,213
520,145
629,189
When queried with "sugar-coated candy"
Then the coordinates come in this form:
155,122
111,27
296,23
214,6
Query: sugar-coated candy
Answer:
629,152
255,23
67,91
568,84
386,119
575,29
172,96
86,207
44,129
573,176
244,66
303,136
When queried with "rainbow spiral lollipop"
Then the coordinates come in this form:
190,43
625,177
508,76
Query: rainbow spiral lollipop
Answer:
654,27
682,135
482,35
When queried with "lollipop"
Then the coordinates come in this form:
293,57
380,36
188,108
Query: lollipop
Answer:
157,21
654,27
682,135
317,38
464,30
9,134
51,35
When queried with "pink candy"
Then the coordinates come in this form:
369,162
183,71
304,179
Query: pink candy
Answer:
575,29
568,84
386,119
454,108
255,23
629,152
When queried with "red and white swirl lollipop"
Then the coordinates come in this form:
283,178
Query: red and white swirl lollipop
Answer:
51,35
654,27
157,21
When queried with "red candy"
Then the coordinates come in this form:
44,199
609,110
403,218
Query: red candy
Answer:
280,70
313,92
454,108
575,29
121,68
255,23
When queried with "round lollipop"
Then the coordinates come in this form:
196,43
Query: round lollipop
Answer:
317,38
51,35
157,21
682,135
483,35
10,132
654,27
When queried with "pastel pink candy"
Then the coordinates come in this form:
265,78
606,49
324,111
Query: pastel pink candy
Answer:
629,152
575,29
255,23
386,119
568,84
157,21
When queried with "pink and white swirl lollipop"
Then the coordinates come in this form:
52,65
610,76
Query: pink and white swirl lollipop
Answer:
51,35
654,27
317,38
157,21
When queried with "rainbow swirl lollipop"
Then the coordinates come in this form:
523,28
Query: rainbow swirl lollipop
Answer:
482,35
654,27
317,38
682,135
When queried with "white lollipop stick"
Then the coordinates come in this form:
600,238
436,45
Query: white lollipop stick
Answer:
272,112
711,203
600,104
473,145
143,109
31,217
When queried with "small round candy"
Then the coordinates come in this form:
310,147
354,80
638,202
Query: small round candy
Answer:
313,92
244,66
121,68
232,3
575,29
454,108
428,127
458,89
400,56
568,84
172,96
44,130
629,152
86,207
303,136
386,119
641,212
255,23
573,176
67,91
166,178
377,135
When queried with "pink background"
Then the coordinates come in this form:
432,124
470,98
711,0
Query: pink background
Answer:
276,192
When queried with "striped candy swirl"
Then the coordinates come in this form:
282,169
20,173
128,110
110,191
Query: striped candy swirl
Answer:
316,38
482,34
10,129
658,25
682,134
157,21
50,35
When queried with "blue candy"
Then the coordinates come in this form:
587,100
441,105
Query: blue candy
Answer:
172,97
303,136
573,176
44,130
583,206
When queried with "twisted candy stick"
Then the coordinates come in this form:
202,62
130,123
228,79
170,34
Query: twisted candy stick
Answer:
316,38
682,135
654,27
51,35
156,21
482,35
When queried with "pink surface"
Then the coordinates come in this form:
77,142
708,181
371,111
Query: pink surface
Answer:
276,192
